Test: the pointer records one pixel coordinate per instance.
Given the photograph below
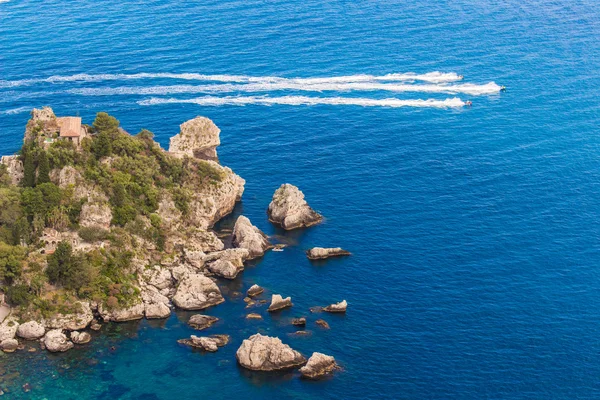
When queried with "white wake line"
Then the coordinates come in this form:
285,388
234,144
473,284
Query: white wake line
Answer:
307,101
432,77
467,88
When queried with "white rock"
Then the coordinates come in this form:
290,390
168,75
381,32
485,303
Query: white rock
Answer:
248,236
318,365
337,308
31,330
197,292
265,353
71,322
80,337
278,302
56,341
198,137
289,209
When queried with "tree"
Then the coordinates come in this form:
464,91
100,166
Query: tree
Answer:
102,145
104,123
60,264
29,171
11,259
43,168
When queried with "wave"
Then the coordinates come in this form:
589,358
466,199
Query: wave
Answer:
432,77
306,101
18,110
467,88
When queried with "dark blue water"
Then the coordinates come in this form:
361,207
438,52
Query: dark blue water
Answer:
474,231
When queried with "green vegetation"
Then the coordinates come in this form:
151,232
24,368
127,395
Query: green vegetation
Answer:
129,173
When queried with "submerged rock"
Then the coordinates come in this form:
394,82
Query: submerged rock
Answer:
31,330
80,337
289,209
265,353
322,323
318,365
337,308
200,321
254,291
247,236
197,292
317,253
279,303
254,316
56,341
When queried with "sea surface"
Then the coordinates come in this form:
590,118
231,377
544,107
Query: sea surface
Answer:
475,230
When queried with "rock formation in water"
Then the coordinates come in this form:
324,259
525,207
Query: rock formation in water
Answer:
56,341
299,321
80,337
337,308
197,292
31,330
247,236
254,291
289,209
200,321
207,343
265,353
317,253
318,365
279,303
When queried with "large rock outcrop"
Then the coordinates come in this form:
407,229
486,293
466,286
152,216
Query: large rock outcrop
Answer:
31,330
72,322
198,137
265,353
227,263
14,167
95,215
318,365
254,290
317,253
201,321
122,314
247,236
197,292
289,209
337,308
56,341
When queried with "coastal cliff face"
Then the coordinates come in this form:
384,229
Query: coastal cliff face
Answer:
113,229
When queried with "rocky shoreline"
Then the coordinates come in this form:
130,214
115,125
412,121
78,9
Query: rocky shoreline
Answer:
180,270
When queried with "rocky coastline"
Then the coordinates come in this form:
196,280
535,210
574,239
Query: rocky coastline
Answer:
144,264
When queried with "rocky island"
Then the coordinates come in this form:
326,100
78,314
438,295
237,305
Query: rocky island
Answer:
98,225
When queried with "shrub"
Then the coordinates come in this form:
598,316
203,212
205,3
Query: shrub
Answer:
11,260
19,295
92,235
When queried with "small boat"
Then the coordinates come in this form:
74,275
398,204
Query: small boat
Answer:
468,103
503,88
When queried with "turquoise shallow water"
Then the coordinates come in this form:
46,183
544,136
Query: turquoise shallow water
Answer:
474,231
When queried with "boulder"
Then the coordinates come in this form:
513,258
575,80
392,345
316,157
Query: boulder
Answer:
14,168
200,321
56,341
198,137
210,343
118,314
157,276
317,253
156,305
289,209
156,310
253,316
299,321
247,236
279,303
197,292
227,263
265,353
318,365
31,330
254,291
72,322
337,308
80,337
9,345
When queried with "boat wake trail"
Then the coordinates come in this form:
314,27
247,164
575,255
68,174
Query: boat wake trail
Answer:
432,77
307,101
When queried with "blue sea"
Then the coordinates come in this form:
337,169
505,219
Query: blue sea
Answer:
475,230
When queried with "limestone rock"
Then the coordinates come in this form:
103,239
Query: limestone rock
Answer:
56,341
318,365
337,308
31,330
95,215
198,137
253,316
279,303
200,321
322,323
317,253
206,343
80,337
289,209
118,314
197,292
254,291
265,353
9,345
159,277
156,310
227,263
299,321
71,322
14,167
247,236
